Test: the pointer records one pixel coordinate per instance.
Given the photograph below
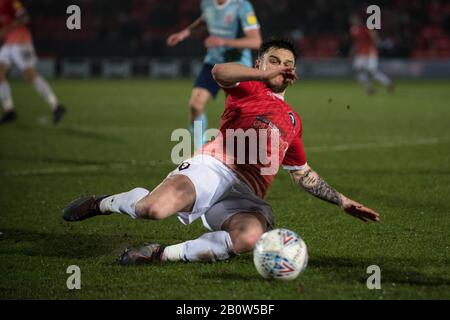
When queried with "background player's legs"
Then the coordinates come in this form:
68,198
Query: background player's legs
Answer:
24,57
239,234
361,65
376,74
5,95
197,104
382,78
362,75
176,193
45,91
42,87
205,87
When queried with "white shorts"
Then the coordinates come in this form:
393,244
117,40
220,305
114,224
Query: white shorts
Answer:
365,62
22,55
219,193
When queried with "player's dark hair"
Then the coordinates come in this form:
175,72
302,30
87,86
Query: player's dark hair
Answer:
279,44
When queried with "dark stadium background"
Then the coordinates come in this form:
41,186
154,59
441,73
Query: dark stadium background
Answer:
136,30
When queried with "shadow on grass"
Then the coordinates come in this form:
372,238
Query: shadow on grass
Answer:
68,130
78,246
393,270
232,276
54,159
61,245
88,134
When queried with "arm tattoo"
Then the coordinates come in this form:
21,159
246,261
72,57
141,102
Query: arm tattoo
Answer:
311,182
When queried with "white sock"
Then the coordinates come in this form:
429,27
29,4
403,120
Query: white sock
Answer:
381,78
124,203
212,246
5,96
44,90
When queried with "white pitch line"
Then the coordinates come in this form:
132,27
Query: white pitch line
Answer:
50,171
83,168
374,145
153,163
46,122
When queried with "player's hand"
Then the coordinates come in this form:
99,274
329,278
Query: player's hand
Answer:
176,38
285,74
359,211
212,42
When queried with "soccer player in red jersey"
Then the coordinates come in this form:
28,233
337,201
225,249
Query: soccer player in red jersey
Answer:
18,48
365,53
220,186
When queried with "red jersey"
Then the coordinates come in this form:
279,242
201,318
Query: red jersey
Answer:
276,130
10,10
363,41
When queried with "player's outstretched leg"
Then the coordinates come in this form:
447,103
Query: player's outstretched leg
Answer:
46,92
239,235
83,208
176,193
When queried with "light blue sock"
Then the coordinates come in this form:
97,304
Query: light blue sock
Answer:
202,125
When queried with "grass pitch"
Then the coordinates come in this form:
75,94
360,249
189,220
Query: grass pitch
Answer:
390,152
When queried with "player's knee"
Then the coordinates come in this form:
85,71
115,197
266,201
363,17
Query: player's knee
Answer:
246,241
150,210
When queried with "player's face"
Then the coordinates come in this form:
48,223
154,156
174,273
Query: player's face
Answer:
276,58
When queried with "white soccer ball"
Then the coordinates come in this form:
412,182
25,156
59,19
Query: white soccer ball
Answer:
280,254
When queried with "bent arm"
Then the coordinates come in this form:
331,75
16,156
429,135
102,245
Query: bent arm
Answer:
195,24
228,74
176,38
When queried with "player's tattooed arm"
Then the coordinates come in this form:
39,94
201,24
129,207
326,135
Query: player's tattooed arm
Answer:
309,180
